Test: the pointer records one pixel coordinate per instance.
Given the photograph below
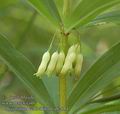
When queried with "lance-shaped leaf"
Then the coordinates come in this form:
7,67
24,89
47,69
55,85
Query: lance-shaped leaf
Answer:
107,99
99,75
109,108
110,93
113,16
87,11
48,9
24,70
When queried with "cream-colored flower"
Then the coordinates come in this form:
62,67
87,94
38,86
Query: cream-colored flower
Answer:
78,66
43,65
68,63
60,62
52,64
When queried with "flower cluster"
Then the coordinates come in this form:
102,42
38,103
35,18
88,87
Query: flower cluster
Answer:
61,64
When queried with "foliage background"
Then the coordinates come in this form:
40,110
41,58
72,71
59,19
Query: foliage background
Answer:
31,34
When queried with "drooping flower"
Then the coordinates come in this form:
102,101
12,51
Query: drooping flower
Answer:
52,64
68,63
43,65
78,65
60,62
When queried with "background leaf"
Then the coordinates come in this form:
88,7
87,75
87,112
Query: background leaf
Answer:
48,9
110,93
24,70
107,99
104,108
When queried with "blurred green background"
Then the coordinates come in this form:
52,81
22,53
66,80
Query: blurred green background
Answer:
31,34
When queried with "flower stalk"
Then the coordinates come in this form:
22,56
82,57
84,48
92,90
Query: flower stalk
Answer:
63,96
63,83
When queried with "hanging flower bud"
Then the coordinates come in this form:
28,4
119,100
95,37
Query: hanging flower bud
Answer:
60,62
76,46
43,65
68,63
71,49
52,63
78,66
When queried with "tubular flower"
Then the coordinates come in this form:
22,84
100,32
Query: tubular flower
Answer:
71,49
78,66
68,63
60,62
43,65
52,63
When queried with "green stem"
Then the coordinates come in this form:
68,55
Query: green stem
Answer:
62,80
62,89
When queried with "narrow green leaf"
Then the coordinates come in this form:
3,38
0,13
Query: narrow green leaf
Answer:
48,9
113,16
24,70
101,74
52,87
104,109
75,3
111,92
107,99
87,11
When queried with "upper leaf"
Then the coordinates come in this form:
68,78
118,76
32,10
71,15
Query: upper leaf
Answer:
87,11
48,9
96,78
113,16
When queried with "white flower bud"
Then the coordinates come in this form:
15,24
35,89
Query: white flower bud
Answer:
52,63
60,62
72,57
68,63
43,65
71,49
78,66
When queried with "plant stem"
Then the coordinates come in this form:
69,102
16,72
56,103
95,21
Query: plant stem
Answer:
62,80
62,90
